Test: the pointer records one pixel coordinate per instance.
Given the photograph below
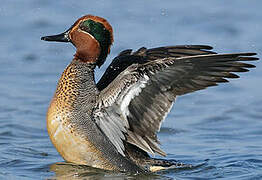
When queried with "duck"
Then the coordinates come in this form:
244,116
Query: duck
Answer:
113,124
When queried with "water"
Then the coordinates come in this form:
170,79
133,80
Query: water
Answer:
219,130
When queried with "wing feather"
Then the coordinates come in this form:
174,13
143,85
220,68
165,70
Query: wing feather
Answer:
138,99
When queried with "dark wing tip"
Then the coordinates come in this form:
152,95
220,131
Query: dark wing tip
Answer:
192,47
248,54
232,75
248,65
202,47
241,54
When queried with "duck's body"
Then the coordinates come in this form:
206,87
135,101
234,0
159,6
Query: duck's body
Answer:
71,126
113,124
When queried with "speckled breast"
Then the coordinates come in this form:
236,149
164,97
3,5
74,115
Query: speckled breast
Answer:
62,120
71,146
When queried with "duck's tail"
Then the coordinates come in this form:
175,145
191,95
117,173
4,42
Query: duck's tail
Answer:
164,164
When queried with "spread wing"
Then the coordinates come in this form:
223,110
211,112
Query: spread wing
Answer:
132,107
143,55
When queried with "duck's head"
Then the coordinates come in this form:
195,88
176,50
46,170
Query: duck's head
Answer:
91,35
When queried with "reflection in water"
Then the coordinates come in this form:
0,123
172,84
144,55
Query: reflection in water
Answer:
65,170
71,171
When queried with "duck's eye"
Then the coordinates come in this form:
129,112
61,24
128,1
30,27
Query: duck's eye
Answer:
84,26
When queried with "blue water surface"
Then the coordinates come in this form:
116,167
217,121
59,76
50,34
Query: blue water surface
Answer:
219,130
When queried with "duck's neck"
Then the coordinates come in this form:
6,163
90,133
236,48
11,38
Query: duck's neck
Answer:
76,87
87,47
88,54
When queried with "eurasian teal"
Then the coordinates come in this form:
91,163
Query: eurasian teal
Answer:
113,124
